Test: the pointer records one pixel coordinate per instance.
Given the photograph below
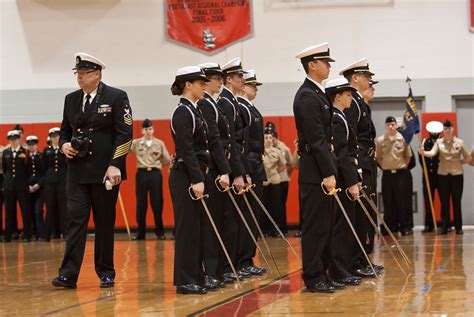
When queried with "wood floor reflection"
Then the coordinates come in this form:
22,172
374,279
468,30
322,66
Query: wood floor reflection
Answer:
440,281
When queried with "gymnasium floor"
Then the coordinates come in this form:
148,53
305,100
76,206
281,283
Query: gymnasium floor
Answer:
441,282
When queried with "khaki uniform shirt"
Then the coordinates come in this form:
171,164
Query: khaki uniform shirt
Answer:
273,161
284,177
392,152
450,155
154,156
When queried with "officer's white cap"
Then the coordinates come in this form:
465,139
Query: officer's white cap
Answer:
361,66
319,51
434,127
54,130
233,66
251,78
31,138
87,61
337,85
13,133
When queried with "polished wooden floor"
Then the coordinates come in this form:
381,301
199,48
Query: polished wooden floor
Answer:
440,282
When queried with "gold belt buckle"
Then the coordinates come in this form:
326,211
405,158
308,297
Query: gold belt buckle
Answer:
149,169
393,171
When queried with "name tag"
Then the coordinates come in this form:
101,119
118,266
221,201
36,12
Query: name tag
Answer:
104,109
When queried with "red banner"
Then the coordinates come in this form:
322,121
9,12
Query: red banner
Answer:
208,25
472,16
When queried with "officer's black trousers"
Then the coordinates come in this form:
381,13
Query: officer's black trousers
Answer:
394,199
273,202
344,243
433,178
450,189
36,212
231,230
218,203
247,248
189,219
1,205
80,199
284,186
318,226
56,209
408,213
149,182
11,198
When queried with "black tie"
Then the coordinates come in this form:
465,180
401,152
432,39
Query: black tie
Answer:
87,104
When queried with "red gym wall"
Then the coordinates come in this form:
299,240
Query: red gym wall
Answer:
285,128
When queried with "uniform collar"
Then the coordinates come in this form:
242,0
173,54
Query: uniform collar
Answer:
248,101
143,140
189,102
208,95
17,149
317,84
33,153
225,88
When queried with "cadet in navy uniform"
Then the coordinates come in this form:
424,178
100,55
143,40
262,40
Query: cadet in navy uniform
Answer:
254,148
219,148
359,118
345,146
1,193
35,172
313,114
54,181
190,167
96,134
233,82
434,129
15,187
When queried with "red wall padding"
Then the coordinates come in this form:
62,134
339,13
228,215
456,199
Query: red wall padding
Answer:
285,128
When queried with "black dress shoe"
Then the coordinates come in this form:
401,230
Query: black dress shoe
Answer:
231,277
298,234
191,289
161,237
322,287
138,237
106,282
5,240
43,240
364,273
210,285
336,285
443,231
63,281
377,267
15,236
244,273
26,239
350,280
254,270
459,232
217,281
427,230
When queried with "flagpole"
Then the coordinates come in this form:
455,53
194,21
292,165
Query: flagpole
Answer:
425,174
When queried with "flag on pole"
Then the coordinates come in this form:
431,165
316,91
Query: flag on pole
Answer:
411,122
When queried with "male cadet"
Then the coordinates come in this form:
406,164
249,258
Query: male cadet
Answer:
96,135
393,156
313,114
254,149
368,94
35,172
359,118
228,104
434,129
152,155
15,187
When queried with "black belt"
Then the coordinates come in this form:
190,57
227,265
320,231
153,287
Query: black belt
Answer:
179,162
148,169
396,171
306,149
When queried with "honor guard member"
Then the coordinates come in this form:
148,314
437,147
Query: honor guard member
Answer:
15,186
313,114
219,148
152,155
359,117
96,135
34,171
345,147
54,181
228,104
393,156
189,169
1,193
434,129
450,175
254,149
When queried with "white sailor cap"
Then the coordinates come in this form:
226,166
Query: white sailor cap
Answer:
361,66
337,85
31,139
320,51
251,78
54,130
13,134
434,127
233,66
189,73
87,61
211,69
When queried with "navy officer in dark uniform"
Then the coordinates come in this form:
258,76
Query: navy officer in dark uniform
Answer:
96,135
190,167
313,114
35,173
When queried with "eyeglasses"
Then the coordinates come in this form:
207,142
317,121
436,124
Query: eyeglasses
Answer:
81,73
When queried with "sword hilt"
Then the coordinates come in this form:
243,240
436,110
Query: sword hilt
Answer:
329,193
219,186
350,196
193,196
238,192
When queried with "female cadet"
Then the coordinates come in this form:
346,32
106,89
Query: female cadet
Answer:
189,168
450,174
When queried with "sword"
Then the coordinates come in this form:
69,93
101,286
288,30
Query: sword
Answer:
193,197
273,222
377,230
227,190
333,192
379,216
260,232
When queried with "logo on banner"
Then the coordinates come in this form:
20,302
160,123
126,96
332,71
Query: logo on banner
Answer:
208,25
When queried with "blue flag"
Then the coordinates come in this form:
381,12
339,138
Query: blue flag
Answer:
411,123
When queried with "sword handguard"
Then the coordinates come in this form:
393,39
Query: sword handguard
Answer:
330,193
236,192
349,196
218,185
193,197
